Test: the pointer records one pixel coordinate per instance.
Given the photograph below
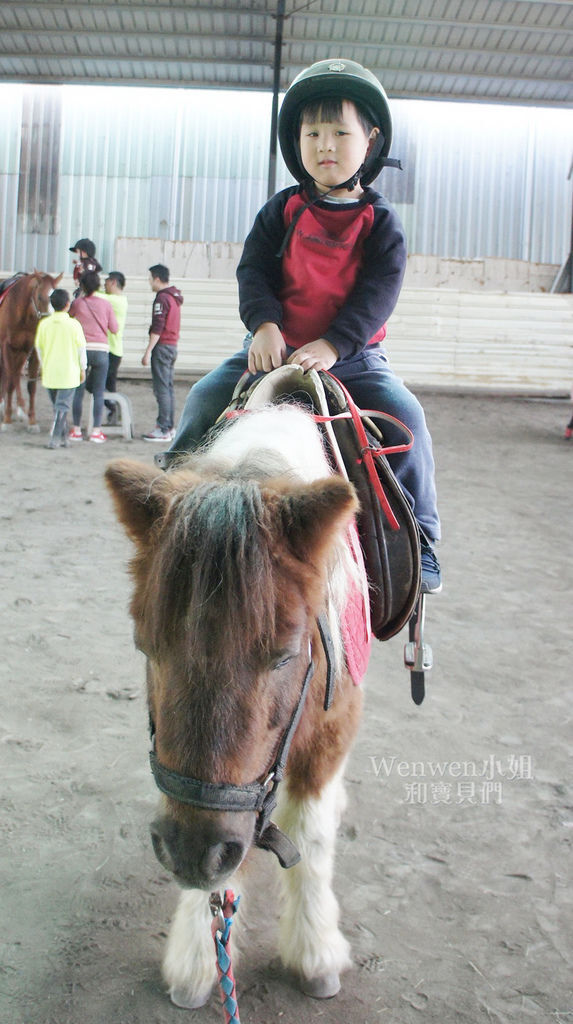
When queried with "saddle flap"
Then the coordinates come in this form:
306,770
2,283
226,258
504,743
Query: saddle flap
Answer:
389,538
391,555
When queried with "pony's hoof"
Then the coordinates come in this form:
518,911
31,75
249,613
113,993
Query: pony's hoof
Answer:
33,428
6,426
324,987
181,997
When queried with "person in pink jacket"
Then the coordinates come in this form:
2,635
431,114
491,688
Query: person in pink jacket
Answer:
97,318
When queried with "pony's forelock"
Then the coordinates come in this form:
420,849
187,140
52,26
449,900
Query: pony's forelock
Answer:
216,572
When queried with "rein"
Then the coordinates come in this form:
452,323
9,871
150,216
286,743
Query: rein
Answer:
260,797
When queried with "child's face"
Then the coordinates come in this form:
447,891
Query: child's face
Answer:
332,151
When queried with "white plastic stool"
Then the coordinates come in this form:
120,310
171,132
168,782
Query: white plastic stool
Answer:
125,425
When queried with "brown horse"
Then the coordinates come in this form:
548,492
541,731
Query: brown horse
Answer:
24,300
242,576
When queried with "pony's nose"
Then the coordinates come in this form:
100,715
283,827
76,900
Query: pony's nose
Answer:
220,860
203,855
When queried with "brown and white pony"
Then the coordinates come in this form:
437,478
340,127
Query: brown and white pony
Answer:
238,554
24,300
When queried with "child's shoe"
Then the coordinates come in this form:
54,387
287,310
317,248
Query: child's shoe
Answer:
98,437
157,434
75,434
431,572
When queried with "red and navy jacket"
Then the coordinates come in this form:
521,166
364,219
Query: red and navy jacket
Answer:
86,264
340,274
166,315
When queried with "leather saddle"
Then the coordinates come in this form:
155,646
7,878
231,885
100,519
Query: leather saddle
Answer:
8,282
354,442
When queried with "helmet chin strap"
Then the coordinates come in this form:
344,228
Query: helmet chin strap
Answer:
349,184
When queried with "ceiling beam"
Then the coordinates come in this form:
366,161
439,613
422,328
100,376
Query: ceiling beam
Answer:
42,75
103,8
396,94
467,51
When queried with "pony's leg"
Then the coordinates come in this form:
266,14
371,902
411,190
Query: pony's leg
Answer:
20,404
33,371
310,942
7,418
189,963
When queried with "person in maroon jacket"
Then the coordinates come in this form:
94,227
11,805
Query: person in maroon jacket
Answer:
161,351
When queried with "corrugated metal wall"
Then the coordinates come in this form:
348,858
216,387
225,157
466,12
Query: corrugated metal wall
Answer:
479,181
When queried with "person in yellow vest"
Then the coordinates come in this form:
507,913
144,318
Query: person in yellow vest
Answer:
114,285
61,347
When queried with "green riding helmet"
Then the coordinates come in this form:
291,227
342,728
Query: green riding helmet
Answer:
335,79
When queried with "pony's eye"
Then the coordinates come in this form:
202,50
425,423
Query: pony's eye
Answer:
282,660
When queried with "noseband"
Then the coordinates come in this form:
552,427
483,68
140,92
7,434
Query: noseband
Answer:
260,797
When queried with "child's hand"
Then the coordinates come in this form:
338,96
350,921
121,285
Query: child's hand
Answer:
267,349
316,355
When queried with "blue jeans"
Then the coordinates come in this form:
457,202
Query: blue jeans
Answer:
162,363
97,371
372,384
61,399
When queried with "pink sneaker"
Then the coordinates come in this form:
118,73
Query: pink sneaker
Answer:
97,437
75,434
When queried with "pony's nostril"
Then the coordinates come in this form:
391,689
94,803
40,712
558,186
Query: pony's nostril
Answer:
221,859
161,849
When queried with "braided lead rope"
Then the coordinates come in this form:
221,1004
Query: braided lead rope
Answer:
223,911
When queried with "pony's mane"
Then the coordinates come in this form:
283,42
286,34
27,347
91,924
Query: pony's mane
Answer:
218,566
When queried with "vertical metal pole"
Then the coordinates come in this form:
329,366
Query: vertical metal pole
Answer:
571,254
272,179
570,177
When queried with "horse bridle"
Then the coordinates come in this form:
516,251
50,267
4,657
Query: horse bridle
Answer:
38,312
260,797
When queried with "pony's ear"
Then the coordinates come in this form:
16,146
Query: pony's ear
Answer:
314,514
140,494
59,277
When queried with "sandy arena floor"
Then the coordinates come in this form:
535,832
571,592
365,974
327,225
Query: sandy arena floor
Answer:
454,865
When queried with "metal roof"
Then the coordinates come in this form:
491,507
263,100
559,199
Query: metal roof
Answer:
509,51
